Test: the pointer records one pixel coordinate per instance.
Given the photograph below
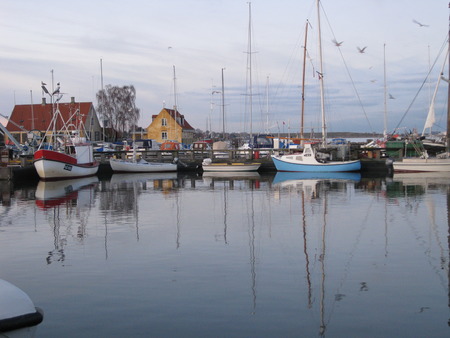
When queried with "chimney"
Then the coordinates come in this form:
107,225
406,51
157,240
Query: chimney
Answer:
72,99
43,101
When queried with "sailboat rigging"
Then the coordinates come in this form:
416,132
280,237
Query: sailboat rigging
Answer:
309,160
424,163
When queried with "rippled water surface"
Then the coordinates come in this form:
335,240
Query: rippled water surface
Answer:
285,255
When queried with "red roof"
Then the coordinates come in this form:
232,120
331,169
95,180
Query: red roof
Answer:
23,115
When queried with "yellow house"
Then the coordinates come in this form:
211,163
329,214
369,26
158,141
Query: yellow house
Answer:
170,125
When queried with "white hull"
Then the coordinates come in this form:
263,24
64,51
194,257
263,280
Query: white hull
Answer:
230,167
50,169
141,166
422,165
18,315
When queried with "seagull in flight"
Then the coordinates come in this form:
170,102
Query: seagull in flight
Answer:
338,44
361,50
420,24
391,97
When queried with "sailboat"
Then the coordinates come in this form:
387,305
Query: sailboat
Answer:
308,160
425,163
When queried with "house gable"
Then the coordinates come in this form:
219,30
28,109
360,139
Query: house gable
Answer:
170,125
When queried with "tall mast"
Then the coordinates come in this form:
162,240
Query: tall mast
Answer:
101,80
448,98
223,107
174,136
302,119
174,90
322,99
249,56
385,93
267,105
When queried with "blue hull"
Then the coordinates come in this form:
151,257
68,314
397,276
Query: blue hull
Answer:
320,167
284,176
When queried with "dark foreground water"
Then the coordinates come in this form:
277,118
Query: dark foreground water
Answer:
248,256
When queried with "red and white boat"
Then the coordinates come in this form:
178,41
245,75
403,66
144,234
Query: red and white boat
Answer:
64,152
76,161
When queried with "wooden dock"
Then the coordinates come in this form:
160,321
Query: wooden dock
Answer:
188,161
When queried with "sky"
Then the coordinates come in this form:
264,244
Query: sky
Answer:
179,49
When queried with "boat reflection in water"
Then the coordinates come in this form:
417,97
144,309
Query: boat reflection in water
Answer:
52,193
296,254
75,197
284,177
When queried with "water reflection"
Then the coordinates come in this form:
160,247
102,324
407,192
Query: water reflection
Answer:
285,254
314,191
53,193
66,202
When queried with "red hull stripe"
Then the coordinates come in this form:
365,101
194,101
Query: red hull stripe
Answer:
54,156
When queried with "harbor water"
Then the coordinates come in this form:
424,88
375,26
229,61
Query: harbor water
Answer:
231,255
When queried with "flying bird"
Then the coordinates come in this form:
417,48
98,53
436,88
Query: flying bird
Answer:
338,44
361,50
391,97
420,24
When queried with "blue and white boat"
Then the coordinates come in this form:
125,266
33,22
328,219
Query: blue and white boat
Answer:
307,162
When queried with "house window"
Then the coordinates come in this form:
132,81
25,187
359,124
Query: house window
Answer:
164,135
164,122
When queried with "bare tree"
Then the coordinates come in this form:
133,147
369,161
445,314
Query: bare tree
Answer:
117,107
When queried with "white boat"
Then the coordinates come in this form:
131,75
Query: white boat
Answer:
422,164
18,315
425,163
64,152
308,160
140,166
209,165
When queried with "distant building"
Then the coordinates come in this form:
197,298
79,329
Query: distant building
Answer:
37,117
170,125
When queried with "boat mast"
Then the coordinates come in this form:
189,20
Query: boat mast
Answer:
448,98
303,84
101,80
249,63
174,137
385,93
223,107
322,99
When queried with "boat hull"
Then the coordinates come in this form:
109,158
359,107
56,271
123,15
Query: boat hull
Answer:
141,167
51,165
422,165
344,166
231,167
